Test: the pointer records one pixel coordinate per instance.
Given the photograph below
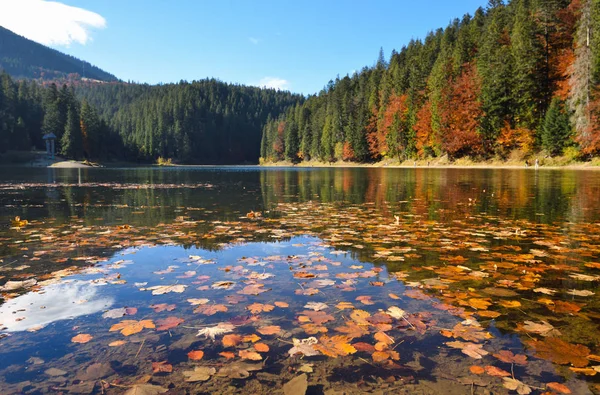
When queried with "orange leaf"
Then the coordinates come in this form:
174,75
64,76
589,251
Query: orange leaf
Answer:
261,347
162,367
231,340
251,338
117,343
561,352
393,296
227,354
269,330
558,387
130,327
195,355
497,372
252,355
334,346
256,308
210,309
82,338
476,369
281,304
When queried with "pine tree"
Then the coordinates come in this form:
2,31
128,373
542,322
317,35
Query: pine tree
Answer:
71,141
556,128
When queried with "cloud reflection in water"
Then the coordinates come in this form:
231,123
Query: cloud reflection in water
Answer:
53,303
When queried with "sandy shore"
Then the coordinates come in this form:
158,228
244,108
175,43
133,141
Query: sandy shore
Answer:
433,165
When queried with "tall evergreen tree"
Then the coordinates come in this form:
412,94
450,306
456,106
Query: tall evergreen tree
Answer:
556,128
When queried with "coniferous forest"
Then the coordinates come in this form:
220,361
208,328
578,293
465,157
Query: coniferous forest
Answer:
521,76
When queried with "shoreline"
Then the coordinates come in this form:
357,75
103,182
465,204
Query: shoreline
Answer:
421,164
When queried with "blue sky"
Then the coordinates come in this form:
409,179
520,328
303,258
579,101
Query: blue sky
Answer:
295,45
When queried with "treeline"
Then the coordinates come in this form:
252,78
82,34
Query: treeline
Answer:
517,77
28,110
200,122
204,121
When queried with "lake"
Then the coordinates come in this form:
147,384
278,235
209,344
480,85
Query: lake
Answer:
210,280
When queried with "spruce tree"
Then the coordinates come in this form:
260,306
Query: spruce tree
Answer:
71,141
556,129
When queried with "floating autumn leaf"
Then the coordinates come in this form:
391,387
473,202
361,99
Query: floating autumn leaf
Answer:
214,331
235,299
251,338
316,306
352,329
471,349
476,369
253,289
362,346
261,347
252,355
393,296
162,367
130,327
145,389
256,308
542,328
334,346
508,357
562,307
365,300
580,292
479,304
196,355
396,312
210,309
516,385
239,370
200,373
316,317
344,305
197,302
222,284
558,387
162,307
384,355
510,304
470,333
360,317
497,372
168,323
227,354
82,338
281,304
304,347
231,340
313,329
269,330
165,289
117,343
561,352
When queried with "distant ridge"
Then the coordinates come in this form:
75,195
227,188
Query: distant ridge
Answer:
23,58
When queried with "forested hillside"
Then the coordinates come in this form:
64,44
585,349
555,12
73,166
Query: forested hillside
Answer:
23,58
200,122
516,77
205,121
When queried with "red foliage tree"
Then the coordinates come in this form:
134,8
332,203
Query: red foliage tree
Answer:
278,145
460,113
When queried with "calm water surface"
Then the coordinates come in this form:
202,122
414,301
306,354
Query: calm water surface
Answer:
241,279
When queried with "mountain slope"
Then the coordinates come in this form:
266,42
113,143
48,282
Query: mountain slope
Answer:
23,58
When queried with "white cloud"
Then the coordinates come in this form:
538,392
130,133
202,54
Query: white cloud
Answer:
253,40
49,22
275,83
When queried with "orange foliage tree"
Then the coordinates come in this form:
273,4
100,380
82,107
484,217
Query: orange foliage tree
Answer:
375,142
426,140
460,113
590,140
278,146
516,138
